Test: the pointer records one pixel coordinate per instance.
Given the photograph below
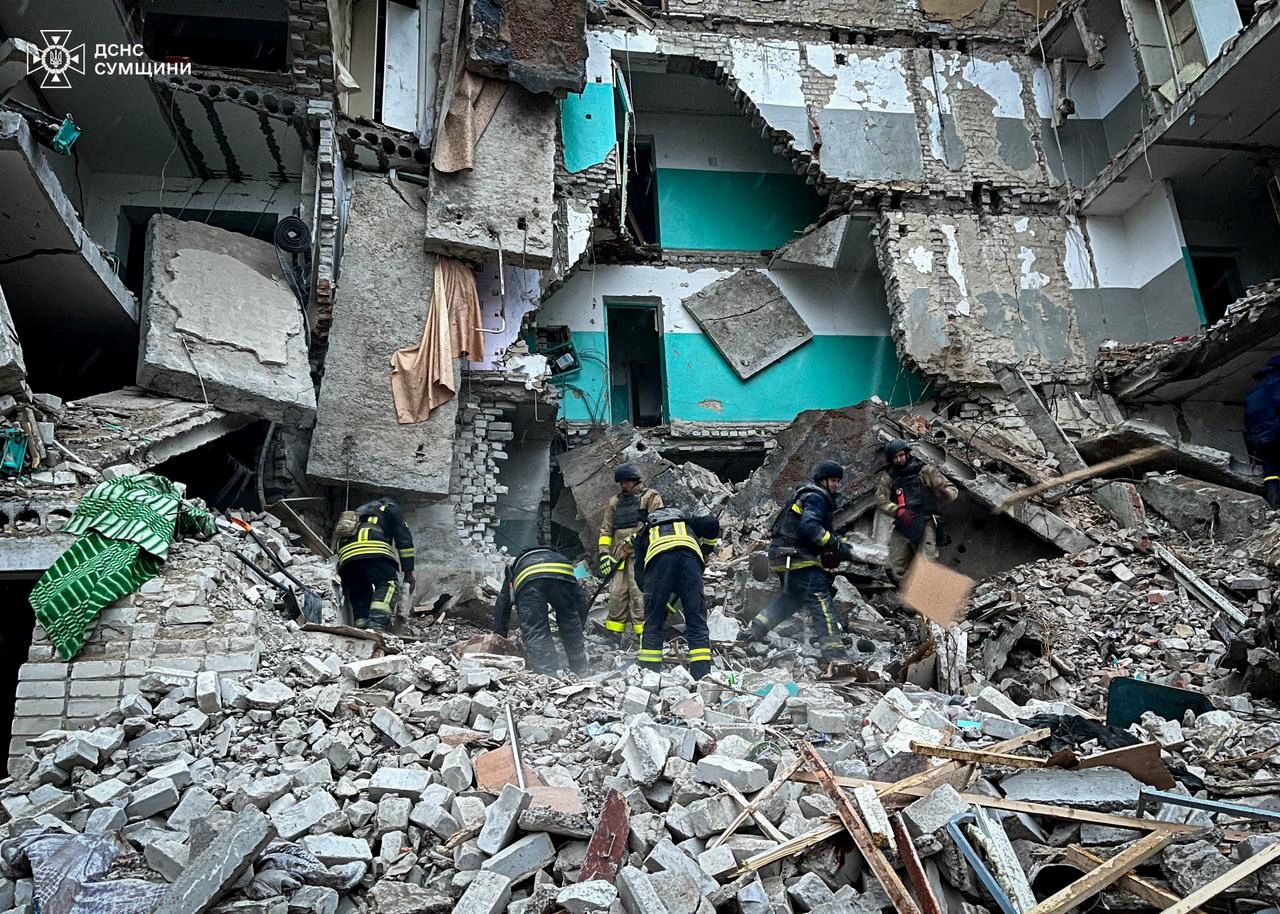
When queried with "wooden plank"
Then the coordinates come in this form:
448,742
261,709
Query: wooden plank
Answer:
1066,813
1142,761
770,789
1225,881
1095,882
929,775
797,845
884,872
284,511
1116,463
1201,589
1135,885
978,756
911,862
765,825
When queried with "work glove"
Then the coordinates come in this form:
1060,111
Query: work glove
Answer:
904,517
607,564
410,580
845,549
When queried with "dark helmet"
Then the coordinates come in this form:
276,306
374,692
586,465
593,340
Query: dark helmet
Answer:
827,469
895,447
626,471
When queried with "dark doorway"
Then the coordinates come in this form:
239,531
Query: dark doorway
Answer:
1218,279
257,39
642,191
223,472
15,642
636,388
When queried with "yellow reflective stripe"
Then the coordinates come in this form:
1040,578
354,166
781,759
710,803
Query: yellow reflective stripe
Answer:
648,654
354,550
1269,478
825,538
615,626
679,536
605,541
385,604
708,541
795,506
406,553
826,614
543,568
671,607
638,628
700,653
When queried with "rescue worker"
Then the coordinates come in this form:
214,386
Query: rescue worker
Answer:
910,491
802,537
538,577
623,516
670,553
368,554
1262,426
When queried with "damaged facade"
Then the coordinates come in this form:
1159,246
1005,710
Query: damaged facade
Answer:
715,238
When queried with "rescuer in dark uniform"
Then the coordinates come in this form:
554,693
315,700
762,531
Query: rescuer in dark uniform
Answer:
670,552
802,535
910,491
536,578
1262,426
368,558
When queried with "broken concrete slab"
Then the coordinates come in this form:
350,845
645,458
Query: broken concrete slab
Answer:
212,872
13,367
501,43
1203,509
1100,789
62,292
1195,460
220,323
819,248
749,320
387,287
506,201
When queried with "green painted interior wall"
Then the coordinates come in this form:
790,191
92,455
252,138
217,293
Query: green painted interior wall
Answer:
588,127
732,211
825,373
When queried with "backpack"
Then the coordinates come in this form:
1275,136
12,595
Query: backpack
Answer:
348,523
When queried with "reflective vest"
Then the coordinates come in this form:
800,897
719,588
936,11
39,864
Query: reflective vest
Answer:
786,526
667,535
538,564
376,536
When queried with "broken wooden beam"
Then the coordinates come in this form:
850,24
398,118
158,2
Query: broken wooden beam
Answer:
753,810
875,858
930,775
979,756
1226,880
915,870
1116,463
796,845
1096,881
1200,589
757,801
1149,892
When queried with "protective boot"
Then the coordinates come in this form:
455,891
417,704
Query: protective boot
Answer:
699,668
1271,490
379,622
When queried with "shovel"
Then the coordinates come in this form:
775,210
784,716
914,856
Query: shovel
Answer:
312,608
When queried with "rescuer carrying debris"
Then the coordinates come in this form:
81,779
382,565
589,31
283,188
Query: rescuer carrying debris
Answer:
670,553
623,516
369,542
910,491
802,539
1262,426
538,577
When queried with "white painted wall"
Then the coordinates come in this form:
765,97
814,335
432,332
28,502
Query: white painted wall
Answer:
708,142
503,307
867,81
1119,75
1130,250
400,71
832,303
768,71
106,193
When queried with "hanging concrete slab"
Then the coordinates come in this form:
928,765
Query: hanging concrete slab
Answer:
61,291
506,202
538,44
220,323
749,320
819,248
13,368
387,284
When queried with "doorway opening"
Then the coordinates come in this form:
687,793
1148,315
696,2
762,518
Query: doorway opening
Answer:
1218,279
642,191
15,643
637,381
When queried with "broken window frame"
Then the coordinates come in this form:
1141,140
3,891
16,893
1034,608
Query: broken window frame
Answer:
373,73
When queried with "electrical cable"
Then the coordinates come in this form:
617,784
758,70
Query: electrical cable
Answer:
173,95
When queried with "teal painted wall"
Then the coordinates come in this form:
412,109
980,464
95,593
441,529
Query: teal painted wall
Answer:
825,373
732,211
588,127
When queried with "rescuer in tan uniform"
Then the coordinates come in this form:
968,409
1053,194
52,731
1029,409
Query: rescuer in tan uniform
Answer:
623,516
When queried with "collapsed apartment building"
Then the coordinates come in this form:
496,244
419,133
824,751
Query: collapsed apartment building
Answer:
700,232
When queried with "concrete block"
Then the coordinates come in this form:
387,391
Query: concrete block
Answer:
636,700
104,820
317,899
753,899
389,724
195,804
375,668
303,816
992,701
767,711
666,857
403,782
1199,508
501,818
434,819
105,793
809,892
586,897
456,772
150,799
522,859
218,321
210,873
828,720
638,893
1101,789
333,850
391,897
929,814
269,695
393,815
645,752
718,862
166,857
747,777
208,692
488,893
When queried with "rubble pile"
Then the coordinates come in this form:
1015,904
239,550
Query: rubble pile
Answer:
353,772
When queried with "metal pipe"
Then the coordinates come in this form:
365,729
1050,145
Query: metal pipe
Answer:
1150,799
515,749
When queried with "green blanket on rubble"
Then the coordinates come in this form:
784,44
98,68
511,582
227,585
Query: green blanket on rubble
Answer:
124,527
